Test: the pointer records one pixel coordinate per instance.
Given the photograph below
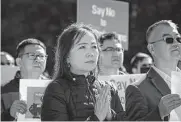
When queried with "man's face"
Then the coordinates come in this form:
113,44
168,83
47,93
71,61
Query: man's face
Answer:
144,66
162,50
111,54
33,59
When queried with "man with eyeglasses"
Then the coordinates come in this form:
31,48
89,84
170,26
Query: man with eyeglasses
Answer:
111,55
111,60
151,96
31,59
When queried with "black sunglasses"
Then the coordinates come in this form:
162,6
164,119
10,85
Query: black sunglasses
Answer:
168,40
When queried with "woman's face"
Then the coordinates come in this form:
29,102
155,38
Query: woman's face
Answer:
84,54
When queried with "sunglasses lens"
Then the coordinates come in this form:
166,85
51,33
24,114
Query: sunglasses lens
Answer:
179,39
169,40
144,69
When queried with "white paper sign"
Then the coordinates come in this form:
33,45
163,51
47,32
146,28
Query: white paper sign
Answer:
106,15
121,82
32,91
176,89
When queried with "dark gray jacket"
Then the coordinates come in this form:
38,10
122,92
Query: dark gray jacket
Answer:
72,98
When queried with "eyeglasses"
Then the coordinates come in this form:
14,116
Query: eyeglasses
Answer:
33,56
168,40
144,69
111,49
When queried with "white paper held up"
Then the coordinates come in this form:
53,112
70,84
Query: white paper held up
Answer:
176,89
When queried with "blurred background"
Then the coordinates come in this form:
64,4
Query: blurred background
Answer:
46,19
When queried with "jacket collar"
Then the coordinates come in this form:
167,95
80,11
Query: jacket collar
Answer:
158,82
80,79
17,78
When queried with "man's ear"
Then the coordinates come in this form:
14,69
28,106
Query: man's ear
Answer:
18,61
150,49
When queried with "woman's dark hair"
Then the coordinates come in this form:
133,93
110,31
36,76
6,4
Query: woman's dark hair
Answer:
65,42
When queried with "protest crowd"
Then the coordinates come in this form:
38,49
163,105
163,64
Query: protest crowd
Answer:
85,77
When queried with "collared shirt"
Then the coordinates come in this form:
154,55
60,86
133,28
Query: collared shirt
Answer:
167,79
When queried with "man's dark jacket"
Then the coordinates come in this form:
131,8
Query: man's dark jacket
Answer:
72,98
143,97
10,93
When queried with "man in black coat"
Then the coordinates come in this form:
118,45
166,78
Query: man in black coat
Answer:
151,96
31,59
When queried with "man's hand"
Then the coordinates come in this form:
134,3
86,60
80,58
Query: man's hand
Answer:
18,106
168,103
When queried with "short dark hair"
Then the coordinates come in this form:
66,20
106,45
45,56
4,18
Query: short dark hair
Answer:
30,41
162,22
138,58
109,36
65,42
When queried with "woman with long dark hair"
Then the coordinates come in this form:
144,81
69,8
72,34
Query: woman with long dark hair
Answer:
75,93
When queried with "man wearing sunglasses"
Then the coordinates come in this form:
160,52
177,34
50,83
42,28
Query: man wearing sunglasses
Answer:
31,59
141,63
151,96
111,55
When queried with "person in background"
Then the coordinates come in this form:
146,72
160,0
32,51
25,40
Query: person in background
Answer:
151,96
141,63
75,93
111,55
7,59
31,59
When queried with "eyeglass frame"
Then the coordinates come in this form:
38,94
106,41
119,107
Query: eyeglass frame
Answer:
114,50
44,56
